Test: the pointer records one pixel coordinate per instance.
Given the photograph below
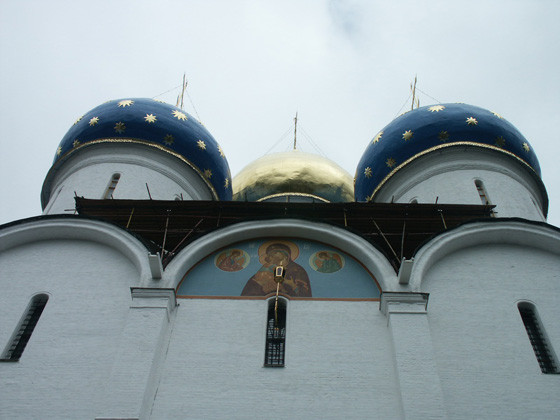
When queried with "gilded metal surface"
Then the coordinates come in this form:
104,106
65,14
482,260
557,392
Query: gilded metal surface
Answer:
293,173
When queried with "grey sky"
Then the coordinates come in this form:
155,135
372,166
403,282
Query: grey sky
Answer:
345,66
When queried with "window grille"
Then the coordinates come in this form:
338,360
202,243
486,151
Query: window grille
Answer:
275,334
537,337
23,333
112,185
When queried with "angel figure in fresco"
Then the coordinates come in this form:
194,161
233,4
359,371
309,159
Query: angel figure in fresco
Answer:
231,260
328,262
296,282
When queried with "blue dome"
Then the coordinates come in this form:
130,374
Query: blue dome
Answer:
154,124
431,128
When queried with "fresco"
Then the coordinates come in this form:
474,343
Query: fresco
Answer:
312,270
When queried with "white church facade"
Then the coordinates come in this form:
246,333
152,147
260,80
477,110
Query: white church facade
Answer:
155,286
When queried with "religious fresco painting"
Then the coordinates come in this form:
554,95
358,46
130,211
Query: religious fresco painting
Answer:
311,270
232,259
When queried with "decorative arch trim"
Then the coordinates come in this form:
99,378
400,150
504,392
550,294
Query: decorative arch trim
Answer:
371,258
497,231
47,228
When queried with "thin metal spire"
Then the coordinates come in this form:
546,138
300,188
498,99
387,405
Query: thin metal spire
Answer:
182,94
414,99
295,131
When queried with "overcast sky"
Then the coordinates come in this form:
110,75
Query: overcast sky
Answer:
345,66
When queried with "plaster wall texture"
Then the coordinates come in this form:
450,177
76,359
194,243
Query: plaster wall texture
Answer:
89,174
449,176
64,368
339,363
484,358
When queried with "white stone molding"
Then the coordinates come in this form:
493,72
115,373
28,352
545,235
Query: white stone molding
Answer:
359,248
79,229
403,302
150,297
156,267
513,232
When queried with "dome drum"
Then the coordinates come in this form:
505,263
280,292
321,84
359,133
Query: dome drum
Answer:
435,128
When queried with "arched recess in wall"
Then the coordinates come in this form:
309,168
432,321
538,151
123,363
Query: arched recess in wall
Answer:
513,231
48,228
321,261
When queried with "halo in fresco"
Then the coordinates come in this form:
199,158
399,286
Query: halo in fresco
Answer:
263,257
326,261
232,259
271,255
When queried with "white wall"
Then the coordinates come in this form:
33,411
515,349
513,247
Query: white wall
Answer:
88,173
449,175
485,361
339,363
65,366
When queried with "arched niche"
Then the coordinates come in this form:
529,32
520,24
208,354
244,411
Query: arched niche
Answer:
335,262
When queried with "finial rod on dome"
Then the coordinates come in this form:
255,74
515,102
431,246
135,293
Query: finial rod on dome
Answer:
295,131
182,94
414,98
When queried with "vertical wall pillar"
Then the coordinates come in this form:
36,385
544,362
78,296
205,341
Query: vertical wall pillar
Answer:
135,375
417,375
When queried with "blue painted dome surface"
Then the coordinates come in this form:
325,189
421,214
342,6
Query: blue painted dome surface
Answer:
431,128
155,124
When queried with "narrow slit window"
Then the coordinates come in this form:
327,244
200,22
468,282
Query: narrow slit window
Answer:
537,336
275,334
482,191
21,336
111,187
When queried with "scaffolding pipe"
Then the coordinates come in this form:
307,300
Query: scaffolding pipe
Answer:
164,235
386,241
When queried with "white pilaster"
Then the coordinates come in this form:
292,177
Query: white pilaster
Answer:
135,375
419,383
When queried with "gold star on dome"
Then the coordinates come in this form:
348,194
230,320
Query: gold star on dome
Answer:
226,183
150,118
367,172
472,121
160,101
526,147
497,115
94,121
407,135
125,103
168,139
208,173
76,143
436,108
443,136
391,162
179,115
221,151
201,145
78,120
500,141
58,150
377,137
120,127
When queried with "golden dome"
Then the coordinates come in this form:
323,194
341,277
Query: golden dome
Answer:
298,175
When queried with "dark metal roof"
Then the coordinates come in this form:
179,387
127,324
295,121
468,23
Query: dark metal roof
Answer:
395,229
